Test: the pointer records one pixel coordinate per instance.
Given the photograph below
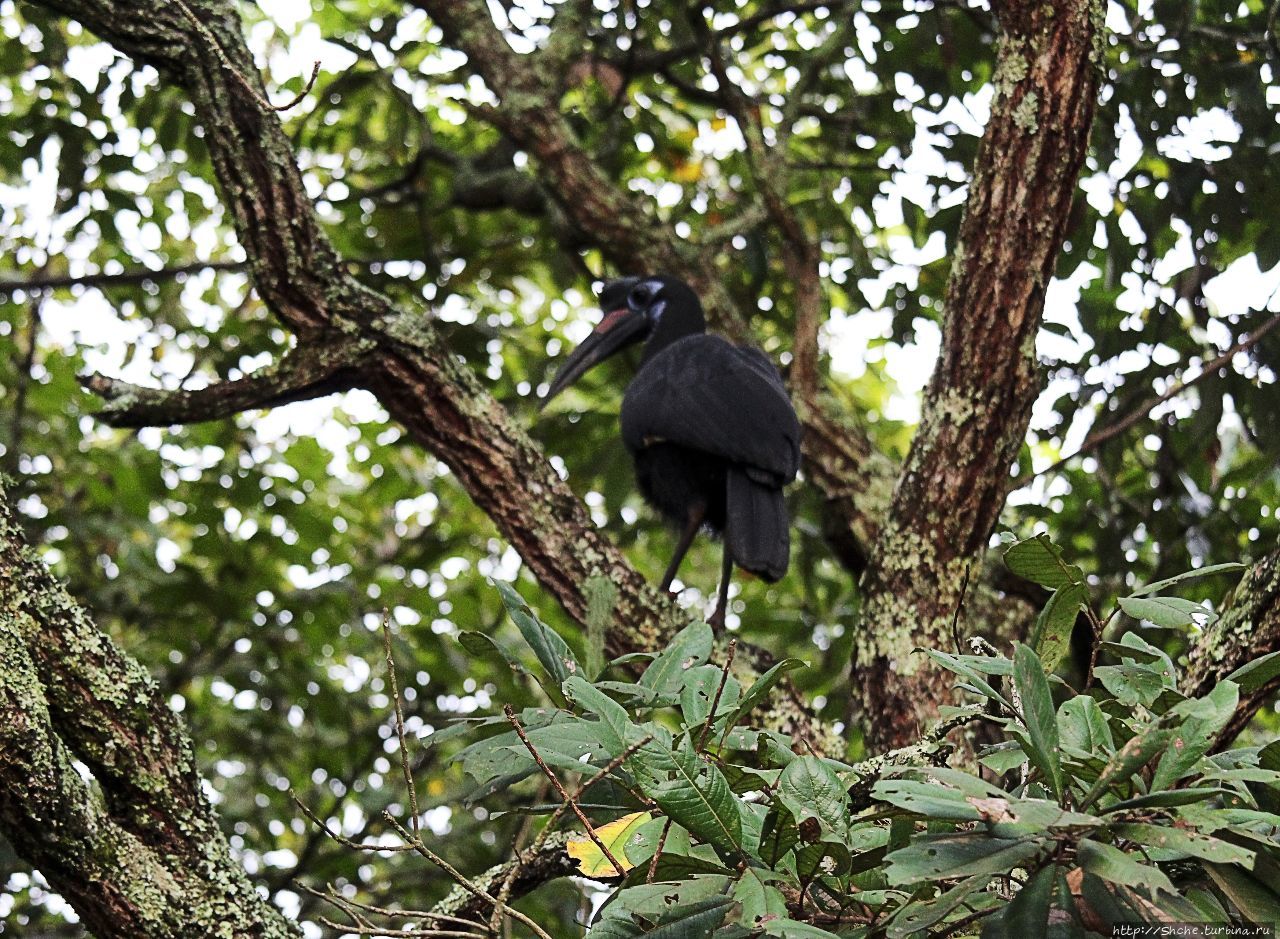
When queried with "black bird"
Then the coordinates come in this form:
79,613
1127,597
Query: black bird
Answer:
709,425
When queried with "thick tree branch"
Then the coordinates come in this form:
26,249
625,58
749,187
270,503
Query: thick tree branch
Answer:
978,403
1249,628
321,366
146,859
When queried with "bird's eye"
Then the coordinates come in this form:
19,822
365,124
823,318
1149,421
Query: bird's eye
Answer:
641,294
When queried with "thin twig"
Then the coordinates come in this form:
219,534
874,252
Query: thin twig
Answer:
235,73
405,766
657,853
715,702
560,790
1095,440
416,844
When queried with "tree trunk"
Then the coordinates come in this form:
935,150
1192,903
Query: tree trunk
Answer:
978,402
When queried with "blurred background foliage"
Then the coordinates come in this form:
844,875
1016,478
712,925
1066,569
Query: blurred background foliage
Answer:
247,563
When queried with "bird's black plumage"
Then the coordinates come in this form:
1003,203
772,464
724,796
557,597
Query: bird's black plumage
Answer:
709,425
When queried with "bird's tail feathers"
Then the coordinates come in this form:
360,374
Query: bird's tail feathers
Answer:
756,526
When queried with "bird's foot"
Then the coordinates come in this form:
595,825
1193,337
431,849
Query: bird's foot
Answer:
716,620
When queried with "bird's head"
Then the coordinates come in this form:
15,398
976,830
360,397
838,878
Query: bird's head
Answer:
659,309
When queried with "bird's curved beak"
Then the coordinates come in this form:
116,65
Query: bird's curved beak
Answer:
618,329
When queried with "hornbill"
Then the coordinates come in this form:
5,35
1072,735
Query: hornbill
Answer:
709,425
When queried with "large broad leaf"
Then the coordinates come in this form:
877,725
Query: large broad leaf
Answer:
1197,735
552,651
926,798
940,857
694,920
811,789
1135,754
695,794
1258,673
1169,612
1083,727
616,836
1113,865
617,728
563,742
1051,635
1039,715
759,898
1188,575
700,687
1028,914
1259,902
920,915
1040,560
689,648
1132,684
1189,843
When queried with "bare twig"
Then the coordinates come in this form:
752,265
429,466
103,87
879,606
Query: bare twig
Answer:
560,790
405,766
235,73
1096,440
715,702
657,853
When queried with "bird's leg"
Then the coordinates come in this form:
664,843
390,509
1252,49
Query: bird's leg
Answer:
716,622
697,512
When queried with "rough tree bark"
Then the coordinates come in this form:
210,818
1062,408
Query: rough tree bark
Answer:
1248,629
938,521
978,403
144,857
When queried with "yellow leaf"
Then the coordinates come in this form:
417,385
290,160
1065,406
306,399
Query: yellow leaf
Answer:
687,171
591,860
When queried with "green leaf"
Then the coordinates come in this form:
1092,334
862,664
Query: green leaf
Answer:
1189,575
695,794
761,687
1135,754
1259,902
758,898
940,857
616,732
1197,735
1167,799
483,646
1028,914
1113,865
1258,673
792,929
811,789
1039,715
926,798
693,920
552,651
1169,612
920,915
700,686
1082,726
1189,843
1051,635
689,648
1039,560
1131,684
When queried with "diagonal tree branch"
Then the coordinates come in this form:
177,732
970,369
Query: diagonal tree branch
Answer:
145,858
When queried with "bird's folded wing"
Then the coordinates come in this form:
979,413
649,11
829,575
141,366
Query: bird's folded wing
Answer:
706,393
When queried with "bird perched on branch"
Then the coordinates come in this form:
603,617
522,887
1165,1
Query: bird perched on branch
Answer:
709,425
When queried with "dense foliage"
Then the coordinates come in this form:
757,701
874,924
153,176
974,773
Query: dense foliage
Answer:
247,562
1092,808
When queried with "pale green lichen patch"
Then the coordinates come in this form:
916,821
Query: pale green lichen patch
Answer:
1025,115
